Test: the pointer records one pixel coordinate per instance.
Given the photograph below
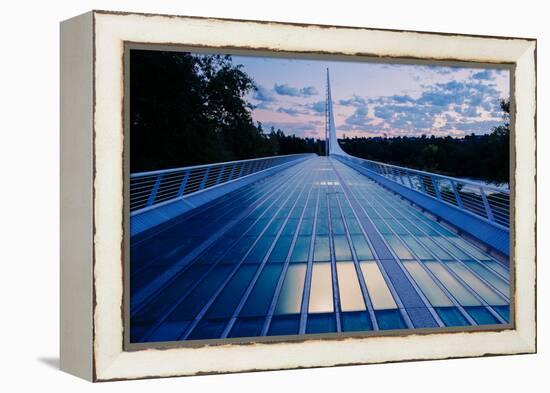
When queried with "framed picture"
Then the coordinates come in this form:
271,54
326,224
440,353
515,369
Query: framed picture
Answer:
246,195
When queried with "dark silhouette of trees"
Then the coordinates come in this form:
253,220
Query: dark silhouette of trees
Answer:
476,156
188,109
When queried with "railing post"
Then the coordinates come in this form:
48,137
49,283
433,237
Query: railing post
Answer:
204,178
219,179
154,191
410,181
436,188
233,167
457,195
181,190
488,210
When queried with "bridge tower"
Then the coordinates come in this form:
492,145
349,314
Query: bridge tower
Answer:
331,141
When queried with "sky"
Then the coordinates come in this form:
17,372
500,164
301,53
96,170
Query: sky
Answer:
375,99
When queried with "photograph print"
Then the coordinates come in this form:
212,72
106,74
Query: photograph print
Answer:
279,197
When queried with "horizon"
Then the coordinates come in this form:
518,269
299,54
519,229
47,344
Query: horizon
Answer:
393,100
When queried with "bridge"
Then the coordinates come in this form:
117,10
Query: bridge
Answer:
304,244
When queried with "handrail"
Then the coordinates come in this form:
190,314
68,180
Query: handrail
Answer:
488,202
154,187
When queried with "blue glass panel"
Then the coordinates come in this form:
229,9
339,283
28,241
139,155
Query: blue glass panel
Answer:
247,327
322,226
451,316
284,325
237,252
208,329
164,299
353,226
200,295
280,251
274,227
137,330
489,276
230,296
306,228
362,248
503,311
320,323
481,315
300,252
321,251
398,247
381,226
389,319
341,248
169,331
290,227
260,298
338,226
259,250
356,321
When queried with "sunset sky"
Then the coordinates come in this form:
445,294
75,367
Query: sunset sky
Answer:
373,99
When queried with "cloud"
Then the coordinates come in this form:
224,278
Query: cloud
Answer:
293,111
359,117
263,94
317,107
484,75
353,101
286,90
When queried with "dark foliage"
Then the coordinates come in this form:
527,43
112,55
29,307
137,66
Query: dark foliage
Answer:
477,156
188,109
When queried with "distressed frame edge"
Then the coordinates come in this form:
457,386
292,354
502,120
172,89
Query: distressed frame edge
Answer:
76,207
526,342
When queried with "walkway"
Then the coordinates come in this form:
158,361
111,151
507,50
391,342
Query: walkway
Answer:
315,248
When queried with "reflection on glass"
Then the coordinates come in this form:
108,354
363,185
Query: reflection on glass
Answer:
321,251
280,251
300,252
341,248
416,247
461,294
434,248
489,276
320,294
351,298
435,295
290,297
260,298
379,292
398,247
476,284
362,248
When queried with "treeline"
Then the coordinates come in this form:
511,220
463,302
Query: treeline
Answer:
483,157
188,109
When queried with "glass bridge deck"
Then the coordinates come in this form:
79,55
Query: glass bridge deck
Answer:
315,248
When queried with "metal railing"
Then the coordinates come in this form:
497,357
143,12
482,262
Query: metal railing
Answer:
488,202
152,188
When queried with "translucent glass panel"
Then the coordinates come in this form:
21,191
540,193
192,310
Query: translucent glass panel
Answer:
351,298
451,316
290,297
280,251
476,284
260,298
379,292
321,251
283,325
435,295
398,247
230,296
320,294
461,294
342,251
356,321
362,248
489,276
300,252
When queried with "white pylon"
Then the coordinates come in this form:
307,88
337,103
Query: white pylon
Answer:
330,128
